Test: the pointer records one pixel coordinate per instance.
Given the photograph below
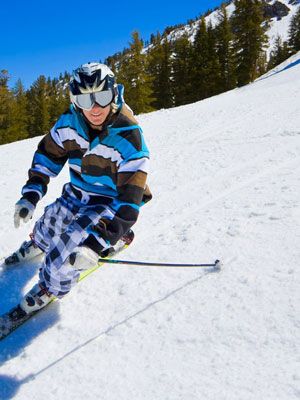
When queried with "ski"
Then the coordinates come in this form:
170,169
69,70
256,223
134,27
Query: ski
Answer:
16,317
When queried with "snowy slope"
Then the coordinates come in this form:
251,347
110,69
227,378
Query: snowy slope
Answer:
225,177
281,27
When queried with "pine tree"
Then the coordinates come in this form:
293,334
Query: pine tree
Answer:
58,99
152,38
166,99
159,68
38,107
205,63
154,69
225,50
249,40
213,74
294,32
200,56
279,54
18,128
132,73
262,64
182,71
52,99
30,113
112,62
6,100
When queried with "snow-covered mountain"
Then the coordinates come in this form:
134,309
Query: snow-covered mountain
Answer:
280,26
279,12
225,177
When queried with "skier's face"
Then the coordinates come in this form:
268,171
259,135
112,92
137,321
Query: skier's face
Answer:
97,115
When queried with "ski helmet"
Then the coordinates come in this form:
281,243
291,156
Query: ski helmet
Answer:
92,83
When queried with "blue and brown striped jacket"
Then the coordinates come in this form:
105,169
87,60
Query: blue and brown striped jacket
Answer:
108,166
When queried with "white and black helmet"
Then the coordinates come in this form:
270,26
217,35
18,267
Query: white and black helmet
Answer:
92,83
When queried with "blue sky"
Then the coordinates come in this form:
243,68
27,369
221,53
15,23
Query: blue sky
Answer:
52,36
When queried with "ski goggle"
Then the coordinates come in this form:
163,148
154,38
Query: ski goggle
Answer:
86,101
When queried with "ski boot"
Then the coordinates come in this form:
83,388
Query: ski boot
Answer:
86,258
83,258
122,243
26,252
38,297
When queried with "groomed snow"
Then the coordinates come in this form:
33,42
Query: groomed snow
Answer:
225,178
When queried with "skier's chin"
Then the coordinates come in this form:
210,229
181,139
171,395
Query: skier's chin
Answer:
94,126
96,121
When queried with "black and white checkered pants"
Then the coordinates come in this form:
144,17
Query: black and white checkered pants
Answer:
63,227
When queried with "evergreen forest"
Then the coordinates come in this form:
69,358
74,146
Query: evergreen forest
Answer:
160,73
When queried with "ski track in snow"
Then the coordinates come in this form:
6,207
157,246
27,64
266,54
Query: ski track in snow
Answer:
225,177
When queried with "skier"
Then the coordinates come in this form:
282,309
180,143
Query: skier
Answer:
108,161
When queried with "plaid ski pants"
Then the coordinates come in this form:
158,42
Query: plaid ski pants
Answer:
62,228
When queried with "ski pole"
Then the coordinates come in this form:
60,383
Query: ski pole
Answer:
216,264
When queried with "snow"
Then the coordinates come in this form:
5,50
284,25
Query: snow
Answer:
276,26
191,29
281,27
225,177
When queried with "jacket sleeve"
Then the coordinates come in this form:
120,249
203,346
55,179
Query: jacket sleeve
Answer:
132,190
48,161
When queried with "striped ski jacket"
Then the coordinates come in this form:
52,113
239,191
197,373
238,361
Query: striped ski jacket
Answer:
106,167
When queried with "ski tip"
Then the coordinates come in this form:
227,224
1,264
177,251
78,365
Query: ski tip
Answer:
218,265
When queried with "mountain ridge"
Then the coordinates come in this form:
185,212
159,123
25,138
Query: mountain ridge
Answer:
279,14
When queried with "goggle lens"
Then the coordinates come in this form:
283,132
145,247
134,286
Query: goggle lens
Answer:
86,101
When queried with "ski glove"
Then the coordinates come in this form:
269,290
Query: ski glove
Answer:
23,211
